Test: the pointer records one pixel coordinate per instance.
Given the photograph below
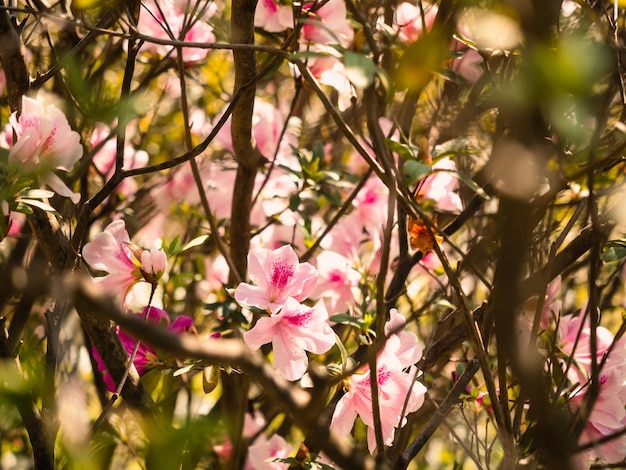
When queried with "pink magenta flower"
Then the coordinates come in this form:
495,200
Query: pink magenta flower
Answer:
146,355
45,142
278,275
295,329
395,376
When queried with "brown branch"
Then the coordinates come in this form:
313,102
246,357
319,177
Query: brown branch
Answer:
12,58
248,160
438,416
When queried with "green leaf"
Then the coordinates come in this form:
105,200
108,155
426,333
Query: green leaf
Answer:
470,183
359,69
193,243
413,171
614,250
346,319
407,152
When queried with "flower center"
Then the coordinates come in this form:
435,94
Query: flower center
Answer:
282,272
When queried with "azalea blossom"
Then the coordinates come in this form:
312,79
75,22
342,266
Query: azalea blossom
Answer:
278,275
273,18
395,384
110,251
292,331
146,355
173,19
264,451
440,186
338,281
608,414
409,23
45,142
334,28
104,158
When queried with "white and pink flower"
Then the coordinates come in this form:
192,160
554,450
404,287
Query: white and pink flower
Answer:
294,330
278,275
173,20
45,142
112,252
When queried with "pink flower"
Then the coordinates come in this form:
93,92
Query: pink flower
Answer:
338,281
295,329
104,158
45,142
371,204
441,185
334,28
394,385
470,65
262,453
110,251
153,263
278,274
409,22
608,414
171,19
273,18
267,126
146,355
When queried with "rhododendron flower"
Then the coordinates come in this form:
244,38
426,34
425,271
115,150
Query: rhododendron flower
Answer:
146,355
295,329
168,19
608,414
401,351
334,28
273,18
45,142
264,451
104,158
470,65
278,275
441,185
110,251
409,23
338,281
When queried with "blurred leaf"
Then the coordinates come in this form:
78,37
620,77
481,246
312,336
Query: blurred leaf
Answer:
36,193
414,171
210,378
470,183
360,69
614,250
198,241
